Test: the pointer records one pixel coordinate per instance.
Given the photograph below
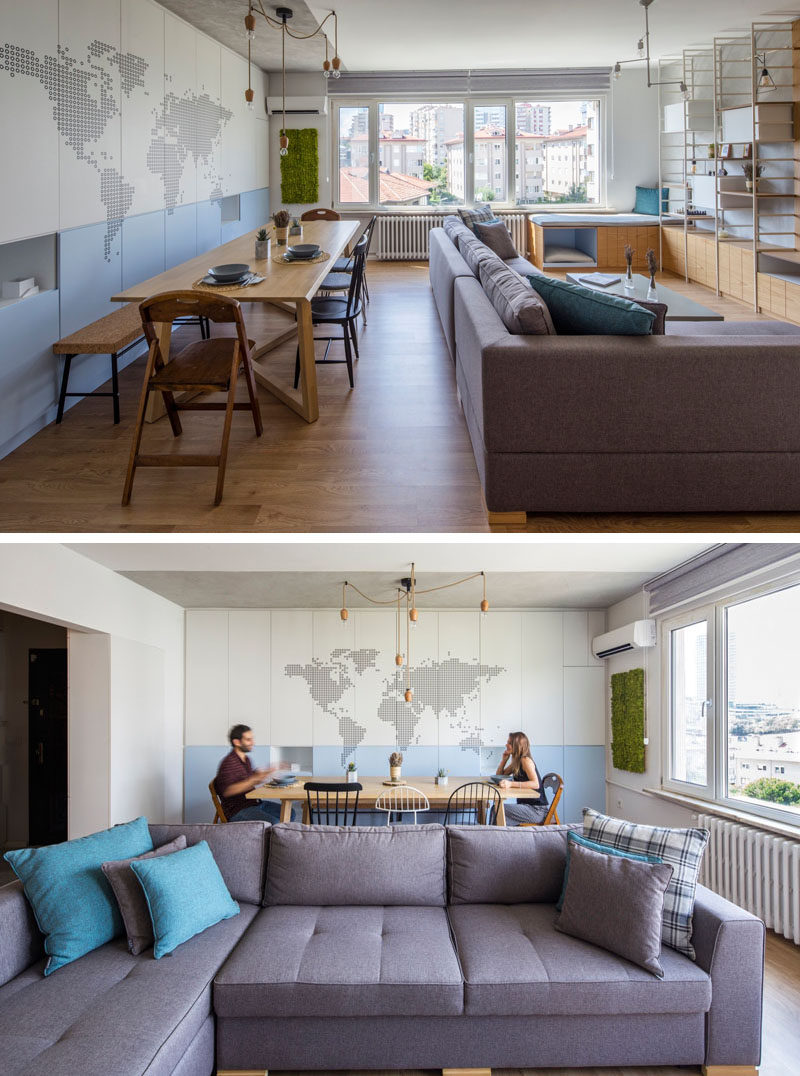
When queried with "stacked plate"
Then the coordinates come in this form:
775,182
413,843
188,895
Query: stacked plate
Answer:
234,273
302,252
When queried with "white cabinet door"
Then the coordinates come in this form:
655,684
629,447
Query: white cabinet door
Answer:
206,677
249,671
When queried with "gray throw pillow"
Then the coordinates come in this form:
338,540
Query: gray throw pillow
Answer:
130,896
660,311
616,903
475,253
480,212
496,237
523,311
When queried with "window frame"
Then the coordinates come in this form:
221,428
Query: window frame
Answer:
715,791
468,102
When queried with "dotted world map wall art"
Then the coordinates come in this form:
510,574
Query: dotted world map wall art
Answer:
186,125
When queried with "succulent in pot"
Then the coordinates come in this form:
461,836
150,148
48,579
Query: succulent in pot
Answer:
351,773
262,244
281,221
441,777
395,765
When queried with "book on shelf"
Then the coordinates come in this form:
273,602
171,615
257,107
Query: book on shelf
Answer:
600,280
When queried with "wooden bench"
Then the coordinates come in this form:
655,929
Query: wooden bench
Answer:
112,335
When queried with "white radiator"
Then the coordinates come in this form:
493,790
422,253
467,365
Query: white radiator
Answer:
758,870
404,236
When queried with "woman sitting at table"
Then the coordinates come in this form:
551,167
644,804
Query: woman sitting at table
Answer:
522,773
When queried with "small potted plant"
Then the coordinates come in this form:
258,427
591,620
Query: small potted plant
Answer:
629,253
652,266
395,764
751,174
281,222
262,244
351,773
441,777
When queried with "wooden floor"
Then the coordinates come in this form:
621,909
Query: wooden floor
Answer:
781,1045
391,455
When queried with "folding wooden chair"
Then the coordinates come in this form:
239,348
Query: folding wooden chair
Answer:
219,814
551,782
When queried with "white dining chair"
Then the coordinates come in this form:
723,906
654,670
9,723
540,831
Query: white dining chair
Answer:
405,799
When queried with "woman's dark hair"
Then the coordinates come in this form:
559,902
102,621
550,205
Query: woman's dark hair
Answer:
237,732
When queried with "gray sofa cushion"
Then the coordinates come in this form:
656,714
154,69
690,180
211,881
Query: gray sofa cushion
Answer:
474,252
523,267
452,226
732,328
355,961
21,943
111,1012
130,896
496,236
356,865
238,848
516,964
499,865
522,310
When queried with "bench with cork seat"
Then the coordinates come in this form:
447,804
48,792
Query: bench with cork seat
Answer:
111,335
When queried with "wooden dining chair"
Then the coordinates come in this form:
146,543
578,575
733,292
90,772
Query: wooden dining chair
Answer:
332,803
210,365
553,783
321,214
472,801
219,814
344,312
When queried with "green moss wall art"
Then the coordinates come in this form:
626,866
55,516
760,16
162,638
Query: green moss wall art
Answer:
300,168
627,720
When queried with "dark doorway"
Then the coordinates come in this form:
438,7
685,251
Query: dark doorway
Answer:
47,746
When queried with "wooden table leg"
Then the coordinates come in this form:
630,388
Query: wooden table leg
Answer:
286,810
155,405
308,405
501,814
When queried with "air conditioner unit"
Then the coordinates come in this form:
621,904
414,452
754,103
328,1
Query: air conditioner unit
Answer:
635,636
298,106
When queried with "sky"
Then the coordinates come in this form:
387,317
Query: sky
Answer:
766,648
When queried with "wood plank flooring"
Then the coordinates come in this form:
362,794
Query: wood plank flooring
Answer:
391,455
781,1045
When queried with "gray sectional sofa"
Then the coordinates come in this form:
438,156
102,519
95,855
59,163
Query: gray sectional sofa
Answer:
380,948
700,419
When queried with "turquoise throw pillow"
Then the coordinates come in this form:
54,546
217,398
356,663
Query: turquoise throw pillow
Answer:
647,200
575,838
185,894
580,311
71,898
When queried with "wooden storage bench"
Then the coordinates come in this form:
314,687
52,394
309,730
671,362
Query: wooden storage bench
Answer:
601,236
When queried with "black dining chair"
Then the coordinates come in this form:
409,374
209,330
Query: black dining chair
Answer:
332,804
471,804
336,280
344,312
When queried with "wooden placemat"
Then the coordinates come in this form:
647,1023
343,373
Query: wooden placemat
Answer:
323,256
221,289
395,783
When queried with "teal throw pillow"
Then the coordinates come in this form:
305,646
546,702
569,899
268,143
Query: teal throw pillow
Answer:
575,838
647,200
71,898
185,895
580,311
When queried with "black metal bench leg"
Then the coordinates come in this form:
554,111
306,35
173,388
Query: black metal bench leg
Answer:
115,387
64,379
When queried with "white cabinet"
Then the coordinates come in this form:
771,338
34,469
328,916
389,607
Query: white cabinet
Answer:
695,115
773,122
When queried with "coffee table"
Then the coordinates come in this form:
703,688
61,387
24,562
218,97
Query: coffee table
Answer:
679,308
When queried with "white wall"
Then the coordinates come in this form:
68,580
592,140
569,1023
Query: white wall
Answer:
17,635
625,795
126,681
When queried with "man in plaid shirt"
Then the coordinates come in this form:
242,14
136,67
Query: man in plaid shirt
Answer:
236,776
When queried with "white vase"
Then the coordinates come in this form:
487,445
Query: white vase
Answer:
394,773
262,249
351,776
440,781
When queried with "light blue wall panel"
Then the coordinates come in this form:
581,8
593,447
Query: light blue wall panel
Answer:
180,235
29,371
142,248
584,781
209,226
254,209
86,279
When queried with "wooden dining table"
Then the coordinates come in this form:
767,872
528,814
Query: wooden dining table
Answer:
285,286
372,787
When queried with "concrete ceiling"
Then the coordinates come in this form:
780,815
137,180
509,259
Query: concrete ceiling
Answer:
375,35
309,574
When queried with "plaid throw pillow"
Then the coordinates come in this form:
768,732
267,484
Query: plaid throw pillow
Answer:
480,212
681,848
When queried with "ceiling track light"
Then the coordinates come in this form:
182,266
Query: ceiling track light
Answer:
330,68
407,592
643,49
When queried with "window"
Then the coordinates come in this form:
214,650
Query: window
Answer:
438,153
733,701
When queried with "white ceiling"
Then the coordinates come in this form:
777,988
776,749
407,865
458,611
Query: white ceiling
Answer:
376,35
572,573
